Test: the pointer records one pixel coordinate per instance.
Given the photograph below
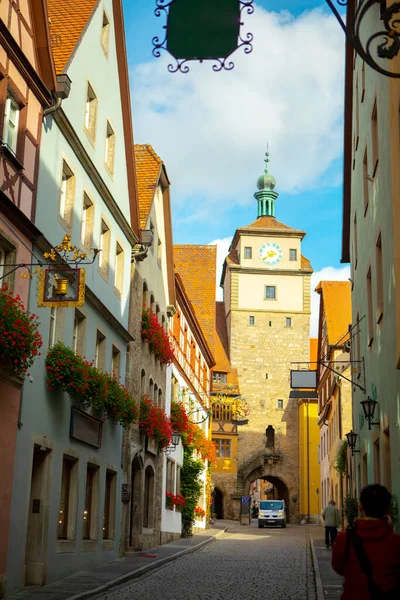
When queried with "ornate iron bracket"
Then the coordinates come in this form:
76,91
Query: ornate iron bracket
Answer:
383,44
162,8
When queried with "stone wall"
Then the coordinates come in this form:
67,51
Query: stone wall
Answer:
263,355
135,450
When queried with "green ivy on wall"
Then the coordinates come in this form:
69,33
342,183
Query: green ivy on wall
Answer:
190,489
341,458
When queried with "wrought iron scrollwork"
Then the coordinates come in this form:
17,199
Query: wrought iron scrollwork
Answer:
223,63
383,44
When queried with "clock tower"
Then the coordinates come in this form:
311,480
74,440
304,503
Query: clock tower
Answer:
266,283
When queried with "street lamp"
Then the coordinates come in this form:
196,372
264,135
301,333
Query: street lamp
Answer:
352,440
176,437
369,405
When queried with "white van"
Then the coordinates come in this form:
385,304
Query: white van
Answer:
272,513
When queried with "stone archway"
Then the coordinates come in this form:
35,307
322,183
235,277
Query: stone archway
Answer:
282,492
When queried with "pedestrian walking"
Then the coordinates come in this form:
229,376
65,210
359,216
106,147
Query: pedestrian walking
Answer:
368,555
332,520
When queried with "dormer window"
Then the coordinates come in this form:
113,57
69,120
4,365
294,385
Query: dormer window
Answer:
219,377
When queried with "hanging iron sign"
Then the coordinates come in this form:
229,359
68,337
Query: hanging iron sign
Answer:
202,30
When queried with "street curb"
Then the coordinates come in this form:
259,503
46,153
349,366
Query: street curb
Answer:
317,574
142,570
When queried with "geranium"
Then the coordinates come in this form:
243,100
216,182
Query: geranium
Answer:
172,500
195,438
179,418
20,340
157,337
94,388
154,423
199,512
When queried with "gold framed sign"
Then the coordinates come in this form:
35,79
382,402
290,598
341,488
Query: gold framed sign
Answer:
61,287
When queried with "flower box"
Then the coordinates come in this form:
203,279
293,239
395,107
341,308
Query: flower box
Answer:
157,337
154,423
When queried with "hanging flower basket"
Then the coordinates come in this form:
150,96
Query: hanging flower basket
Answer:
155,335
194,438
154,423
179,418
199,513
20,340
92,387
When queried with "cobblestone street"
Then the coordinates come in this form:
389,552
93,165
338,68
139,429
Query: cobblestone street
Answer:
266,563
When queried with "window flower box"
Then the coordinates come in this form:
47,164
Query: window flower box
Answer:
20,340
157,337
154,423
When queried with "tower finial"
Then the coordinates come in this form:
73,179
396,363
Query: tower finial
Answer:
266,160
266,195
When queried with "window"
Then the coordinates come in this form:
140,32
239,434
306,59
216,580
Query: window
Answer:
105,34
153,237
222,447
2,262
78,334
222,412
219,377
109,505
90,113
142,382
109,149
89,529
288,322
53,324
118,268
8,257
148,513
67,194
366,182
293,254
379,280
100,353
68,499
247,252
370,308
11,118
178,479
159,252
355,242
87,221
377,462
115,362
151,389
104,255
170,476
270,292
155,393
280,403
252,320
270,435
375,140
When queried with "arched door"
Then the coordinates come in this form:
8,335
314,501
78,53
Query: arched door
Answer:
218,503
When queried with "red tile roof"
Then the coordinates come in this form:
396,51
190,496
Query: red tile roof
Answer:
221,349
313,353
267,223
305,264
148,169
197,265
336,296
68,19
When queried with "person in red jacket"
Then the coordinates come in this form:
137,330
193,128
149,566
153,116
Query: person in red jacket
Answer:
368,556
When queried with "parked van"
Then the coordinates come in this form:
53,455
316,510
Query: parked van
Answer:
272,513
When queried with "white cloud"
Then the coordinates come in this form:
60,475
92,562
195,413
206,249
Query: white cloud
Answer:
222,250
325,274
211,129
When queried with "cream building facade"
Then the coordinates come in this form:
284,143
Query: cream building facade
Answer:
266,283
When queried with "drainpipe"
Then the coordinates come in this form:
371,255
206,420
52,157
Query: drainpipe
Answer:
61,93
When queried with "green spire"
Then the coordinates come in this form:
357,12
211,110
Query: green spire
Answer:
266,195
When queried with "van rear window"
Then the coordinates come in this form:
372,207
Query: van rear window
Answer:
271,505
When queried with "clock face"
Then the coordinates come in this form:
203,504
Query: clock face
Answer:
270,253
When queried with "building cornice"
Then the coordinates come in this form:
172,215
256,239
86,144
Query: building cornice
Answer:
72,138
261,271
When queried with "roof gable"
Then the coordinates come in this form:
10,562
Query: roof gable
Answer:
68,20
196,265
336,304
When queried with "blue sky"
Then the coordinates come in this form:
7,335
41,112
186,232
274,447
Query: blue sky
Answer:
211,129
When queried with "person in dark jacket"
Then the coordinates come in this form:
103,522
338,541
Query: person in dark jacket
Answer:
369,555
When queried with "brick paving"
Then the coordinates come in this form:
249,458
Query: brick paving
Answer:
244,562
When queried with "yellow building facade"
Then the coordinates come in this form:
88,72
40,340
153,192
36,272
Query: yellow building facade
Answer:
310,504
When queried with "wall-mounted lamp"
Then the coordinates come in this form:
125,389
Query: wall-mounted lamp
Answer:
369,407
176,438
352,441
